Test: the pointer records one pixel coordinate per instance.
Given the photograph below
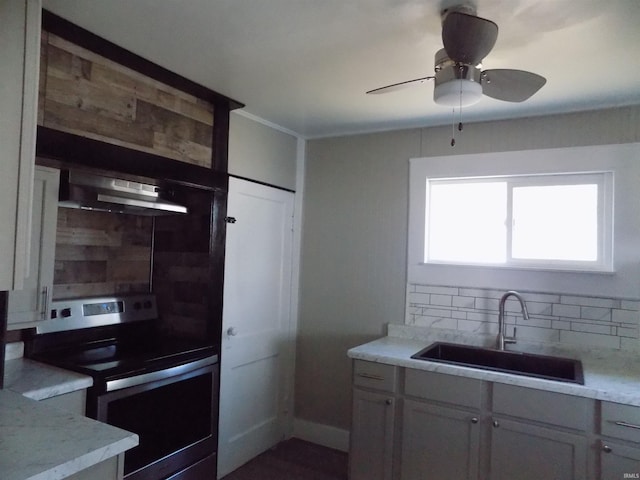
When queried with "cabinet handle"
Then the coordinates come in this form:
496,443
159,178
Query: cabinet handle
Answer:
388,401
607,449
495,423
45,303
626,424
370,376
474,419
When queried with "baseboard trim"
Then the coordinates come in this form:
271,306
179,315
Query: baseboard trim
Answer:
324,435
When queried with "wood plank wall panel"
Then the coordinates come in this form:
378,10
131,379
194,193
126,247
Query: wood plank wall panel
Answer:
101,253
182,271
86,94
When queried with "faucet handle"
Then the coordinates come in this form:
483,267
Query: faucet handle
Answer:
511,339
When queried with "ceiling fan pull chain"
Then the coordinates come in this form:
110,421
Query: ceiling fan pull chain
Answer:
460,111
453,128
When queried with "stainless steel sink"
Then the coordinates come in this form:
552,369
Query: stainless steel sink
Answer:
538,366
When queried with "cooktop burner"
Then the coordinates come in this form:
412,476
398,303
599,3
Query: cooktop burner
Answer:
111,359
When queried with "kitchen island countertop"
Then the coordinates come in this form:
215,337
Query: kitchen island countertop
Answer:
608,375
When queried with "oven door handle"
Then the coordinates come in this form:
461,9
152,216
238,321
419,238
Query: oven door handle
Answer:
121,383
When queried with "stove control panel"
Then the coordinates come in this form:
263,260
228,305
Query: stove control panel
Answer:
79,313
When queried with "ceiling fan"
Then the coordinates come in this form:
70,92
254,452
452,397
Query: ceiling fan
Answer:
459,80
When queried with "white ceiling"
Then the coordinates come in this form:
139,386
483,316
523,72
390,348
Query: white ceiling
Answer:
305,64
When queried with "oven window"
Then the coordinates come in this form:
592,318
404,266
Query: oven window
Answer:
166,418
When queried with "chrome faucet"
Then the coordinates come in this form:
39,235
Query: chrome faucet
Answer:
502,338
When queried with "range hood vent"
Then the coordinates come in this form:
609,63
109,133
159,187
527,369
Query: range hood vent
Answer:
108,194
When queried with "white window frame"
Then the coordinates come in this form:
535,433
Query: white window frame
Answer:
622,159
603,179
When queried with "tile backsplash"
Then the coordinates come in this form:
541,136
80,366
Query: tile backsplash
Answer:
570,319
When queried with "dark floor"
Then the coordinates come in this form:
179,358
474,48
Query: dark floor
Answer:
294,459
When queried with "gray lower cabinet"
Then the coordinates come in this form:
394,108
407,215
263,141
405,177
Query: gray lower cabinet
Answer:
530,452
439,442
528,425
373,422
619,461
372,436
449,426
619,444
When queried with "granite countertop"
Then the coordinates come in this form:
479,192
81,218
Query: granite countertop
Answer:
39,381
608,375
44,443
39,442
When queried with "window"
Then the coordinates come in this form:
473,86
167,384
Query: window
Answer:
560,221
540,242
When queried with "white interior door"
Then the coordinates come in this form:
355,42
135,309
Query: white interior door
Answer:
256,360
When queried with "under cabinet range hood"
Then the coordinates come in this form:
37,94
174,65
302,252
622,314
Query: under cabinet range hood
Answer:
79,189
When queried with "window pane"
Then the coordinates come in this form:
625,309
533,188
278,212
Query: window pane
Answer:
466,222
557,222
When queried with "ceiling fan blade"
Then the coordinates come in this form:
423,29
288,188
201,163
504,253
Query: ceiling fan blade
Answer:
510,85
467,38
399,86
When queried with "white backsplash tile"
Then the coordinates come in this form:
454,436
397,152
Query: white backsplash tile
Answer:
571,319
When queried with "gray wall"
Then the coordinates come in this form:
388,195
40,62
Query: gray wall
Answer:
354,234
259,152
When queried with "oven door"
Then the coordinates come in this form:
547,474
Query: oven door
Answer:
174,413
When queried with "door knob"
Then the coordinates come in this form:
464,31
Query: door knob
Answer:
232,332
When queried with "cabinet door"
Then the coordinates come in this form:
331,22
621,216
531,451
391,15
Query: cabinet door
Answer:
371,449
19,57
31,303
619,461
529,452
439,443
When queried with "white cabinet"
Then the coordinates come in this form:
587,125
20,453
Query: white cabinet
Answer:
19,57
30,304
110,469
74,402
373,423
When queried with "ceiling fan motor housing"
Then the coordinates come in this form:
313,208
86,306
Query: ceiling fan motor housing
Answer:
456,84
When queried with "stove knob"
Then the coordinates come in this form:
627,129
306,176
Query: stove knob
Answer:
147,304
65,312
137,306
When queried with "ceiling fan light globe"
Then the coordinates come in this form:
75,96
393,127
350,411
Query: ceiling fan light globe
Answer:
457,93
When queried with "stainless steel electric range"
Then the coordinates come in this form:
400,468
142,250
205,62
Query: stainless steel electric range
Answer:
145,381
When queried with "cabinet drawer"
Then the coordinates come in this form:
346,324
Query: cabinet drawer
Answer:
620,421
541,406
439,387
375,375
